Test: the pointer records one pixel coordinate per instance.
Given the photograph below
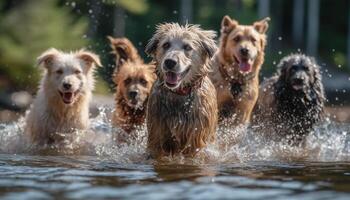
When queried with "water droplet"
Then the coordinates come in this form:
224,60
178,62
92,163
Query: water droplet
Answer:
90,11
274,63
279,38
175,12
339,66
73,4
299,50
333,50
279,52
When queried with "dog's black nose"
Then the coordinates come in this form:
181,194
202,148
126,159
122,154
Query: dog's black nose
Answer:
67,86
244,51
169,63
133,94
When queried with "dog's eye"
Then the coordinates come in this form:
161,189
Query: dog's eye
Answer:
77,72
187,47
59,72
237,39
166,45
253,39
143,81
305,68
127,81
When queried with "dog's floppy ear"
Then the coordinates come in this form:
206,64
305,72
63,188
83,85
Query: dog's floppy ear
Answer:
123,49
208,42
89,58
46,58
228,24
262,25
152,45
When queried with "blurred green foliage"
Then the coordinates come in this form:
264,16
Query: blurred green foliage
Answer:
28,27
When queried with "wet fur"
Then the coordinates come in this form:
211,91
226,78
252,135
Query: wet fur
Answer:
237,93
288,113
130,65
48,114
182,123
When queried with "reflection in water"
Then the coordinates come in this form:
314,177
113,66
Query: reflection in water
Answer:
94,165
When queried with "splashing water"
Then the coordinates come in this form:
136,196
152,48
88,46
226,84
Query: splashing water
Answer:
329,142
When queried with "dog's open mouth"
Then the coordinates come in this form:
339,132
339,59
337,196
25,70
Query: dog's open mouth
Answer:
134,103
173,79
68,97
297,84
245,64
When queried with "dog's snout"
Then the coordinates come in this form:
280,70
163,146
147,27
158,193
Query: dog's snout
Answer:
133,94
244,51
169,64
67,86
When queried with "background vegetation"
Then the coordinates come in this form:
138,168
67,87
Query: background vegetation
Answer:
28,27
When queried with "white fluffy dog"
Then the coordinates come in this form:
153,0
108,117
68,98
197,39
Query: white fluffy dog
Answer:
62,102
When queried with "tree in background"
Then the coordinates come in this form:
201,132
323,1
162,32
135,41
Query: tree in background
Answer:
30,28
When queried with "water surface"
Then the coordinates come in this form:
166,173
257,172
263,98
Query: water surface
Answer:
94,166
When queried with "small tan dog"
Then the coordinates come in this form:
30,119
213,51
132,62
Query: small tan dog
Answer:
236,68
182,108
134,80
62,102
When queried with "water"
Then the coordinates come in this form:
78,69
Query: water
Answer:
94,165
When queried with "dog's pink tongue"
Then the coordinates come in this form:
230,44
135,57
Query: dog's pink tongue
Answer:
68,97
244,66
171,77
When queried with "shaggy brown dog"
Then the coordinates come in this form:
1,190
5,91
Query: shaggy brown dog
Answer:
292,101
62,102
134,80
182,109
236,67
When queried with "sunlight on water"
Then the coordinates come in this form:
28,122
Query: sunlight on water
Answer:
329,142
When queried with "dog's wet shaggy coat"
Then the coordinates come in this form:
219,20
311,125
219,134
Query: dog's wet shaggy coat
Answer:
62,102
182,109
292,101
134,80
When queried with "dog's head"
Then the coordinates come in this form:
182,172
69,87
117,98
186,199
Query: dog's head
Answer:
69,75
134,82
181,53
299,72
243,44
133,78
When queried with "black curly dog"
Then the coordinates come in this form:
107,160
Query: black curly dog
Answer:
297,101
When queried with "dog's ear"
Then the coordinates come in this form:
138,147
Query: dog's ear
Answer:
228,24
89,58
317,80
152,45
124,50
262,25
46,59
208,42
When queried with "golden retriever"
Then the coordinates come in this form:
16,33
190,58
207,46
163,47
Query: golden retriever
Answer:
236,67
